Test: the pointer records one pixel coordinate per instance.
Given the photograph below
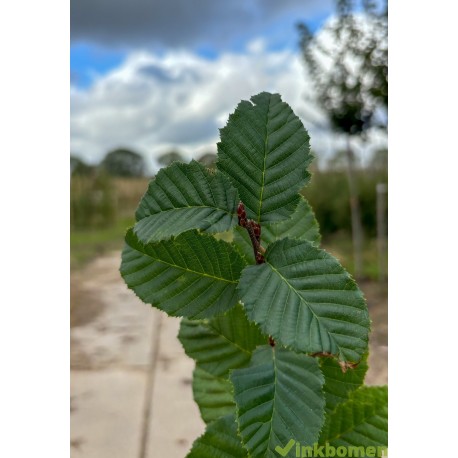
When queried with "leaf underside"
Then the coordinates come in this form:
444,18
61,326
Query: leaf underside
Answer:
301,226
212,394
304,298
219,440
192,275
279,397
184,197
265,151
360,421
221,343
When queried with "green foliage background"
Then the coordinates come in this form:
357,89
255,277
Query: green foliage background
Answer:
329,196
99,227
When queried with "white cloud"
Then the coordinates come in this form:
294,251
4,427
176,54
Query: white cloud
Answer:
153,103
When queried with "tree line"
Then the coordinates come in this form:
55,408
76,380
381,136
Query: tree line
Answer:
124,162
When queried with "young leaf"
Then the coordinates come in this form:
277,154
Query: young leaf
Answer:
212,394
279,397
193,275
362,420
305,299
265,151
301,226
184,197
221,343
219,440
338,385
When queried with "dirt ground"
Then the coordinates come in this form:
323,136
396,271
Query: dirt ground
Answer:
377,302
131,393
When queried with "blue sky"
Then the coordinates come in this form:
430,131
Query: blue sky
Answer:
156,75
87,61
91,58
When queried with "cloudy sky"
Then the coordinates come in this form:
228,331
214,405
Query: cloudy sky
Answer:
154,75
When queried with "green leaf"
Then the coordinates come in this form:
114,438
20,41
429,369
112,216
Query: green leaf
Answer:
265,151
184,197
305,299
212,394
338,385
360,421
221,343
279,397
301,226
193,275
219,440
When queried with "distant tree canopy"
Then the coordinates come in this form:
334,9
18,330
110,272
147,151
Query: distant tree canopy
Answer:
348,63
208,159
167,158
123,163
79,167
350,71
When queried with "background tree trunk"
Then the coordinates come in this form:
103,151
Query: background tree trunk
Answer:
356,226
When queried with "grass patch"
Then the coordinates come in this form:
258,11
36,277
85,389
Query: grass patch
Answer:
340,246
87,244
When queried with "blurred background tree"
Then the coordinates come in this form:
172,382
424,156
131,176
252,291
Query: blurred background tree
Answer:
348,65
167,158
79,167
208,159
123,162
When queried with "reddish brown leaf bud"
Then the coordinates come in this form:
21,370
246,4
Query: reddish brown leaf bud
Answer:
257,230
241,210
